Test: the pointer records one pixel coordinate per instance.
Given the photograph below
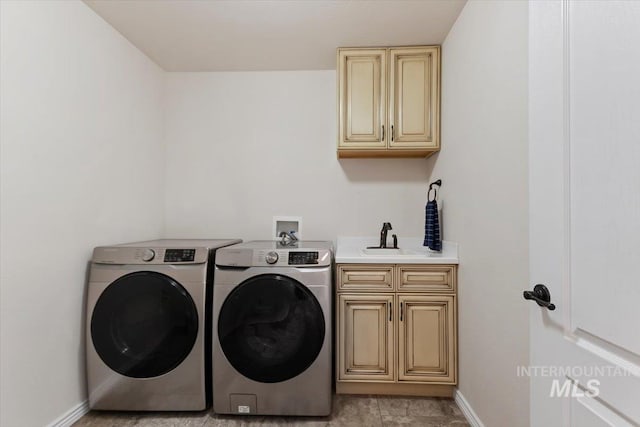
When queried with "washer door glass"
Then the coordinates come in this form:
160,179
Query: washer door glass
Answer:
271,328
144,325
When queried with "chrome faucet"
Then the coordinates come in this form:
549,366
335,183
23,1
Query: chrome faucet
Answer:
383,234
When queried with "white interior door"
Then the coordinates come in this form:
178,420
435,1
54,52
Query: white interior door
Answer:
585,212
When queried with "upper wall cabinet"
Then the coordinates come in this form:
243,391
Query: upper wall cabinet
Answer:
389,102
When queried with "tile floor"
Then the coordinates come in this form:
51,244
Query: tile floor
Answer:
347,411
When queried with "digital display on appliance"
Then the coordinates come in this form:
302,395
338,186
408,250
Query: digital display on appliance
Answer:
299,258
179,255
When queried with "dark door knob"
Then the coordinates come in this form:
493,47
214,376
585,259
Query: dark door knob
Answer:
541,295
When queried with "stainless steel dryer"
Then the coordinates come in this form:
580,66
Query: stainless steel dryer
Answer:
148,317
272,329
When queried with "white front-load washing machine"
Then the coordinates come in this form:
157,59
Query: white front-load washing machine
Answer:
272,316
147,325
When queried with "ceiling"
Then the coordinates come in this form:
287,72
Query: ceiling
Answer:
234,35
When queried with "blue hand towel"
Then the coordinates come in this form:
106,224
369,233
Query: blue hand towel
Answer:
432,226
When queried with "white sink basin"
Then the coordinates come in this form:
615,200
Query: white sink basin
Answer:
389,252
357,250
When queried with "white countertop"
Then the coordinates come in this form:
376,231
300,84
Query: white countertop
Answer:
349,251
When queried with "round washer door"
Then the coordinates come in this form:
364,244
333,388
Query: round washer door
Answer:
271,328
144,325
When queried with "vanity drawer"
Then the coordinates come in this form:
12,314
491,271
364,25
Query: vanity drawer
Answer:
436,278
366,278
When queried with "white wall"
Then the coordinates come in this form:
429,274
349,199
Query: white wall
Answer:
81,165
245,146
483,165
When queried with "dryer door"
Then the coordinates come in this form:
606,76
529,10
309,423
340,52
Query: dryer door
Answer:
144,324
271,328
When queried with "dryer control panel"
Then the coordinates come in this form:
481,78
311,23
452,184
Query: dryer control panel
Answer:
149,255
179,255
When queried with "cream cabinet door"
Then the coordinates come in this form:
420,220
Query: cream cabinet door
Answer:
365,337
414,103
427,339
362,98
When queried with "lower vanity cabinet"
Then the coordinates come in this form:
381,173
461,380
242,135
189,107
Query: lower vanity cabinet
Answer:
366,332
396,336
426,338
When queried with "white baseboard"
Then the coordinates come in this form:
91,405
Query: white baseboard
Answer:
467,410
72,415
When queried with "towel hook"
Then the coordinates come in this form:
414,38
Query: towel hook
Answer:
435,190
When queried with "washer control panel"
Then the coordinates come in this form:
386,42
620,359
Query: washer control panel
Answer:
268,253
283,257
303,258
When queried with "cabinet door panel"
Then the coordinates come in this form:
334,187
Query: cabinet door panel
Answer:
415,98
365,337
426,338
362,96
